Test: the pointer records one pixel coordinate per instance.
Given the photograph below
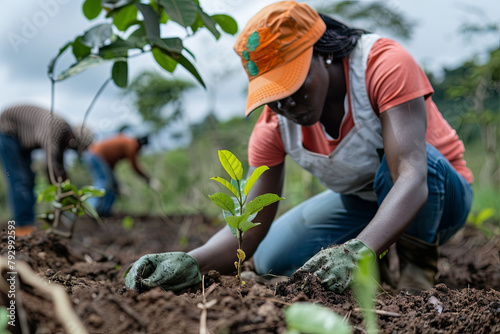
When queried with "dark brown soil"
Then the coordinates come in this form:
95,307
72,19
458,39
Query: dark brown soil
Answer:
465,300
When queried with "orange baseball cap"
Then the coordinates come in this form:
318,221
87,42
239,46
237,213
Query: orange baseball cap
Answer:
276,50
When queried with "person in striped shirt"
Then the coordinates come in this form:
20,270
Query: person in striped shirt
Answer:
24,128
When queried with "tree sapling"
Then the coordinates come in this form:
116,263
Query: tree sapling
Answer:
237,213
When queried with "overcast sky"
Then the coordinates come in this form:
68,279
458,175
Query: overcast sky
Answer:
32,31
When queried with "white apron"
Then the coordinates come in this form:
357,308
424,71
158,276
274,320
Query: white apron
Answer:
351,167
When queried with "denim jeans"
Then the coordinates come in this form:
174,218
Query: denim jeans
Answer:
20,180
104,178
332,218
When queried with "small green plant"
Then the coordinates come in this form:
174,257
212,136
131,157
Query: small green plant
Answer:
364,287
311,318
65,197
239,214
478,220
127,223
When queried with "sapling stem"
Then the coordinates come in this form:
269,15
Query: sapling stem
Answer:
237,213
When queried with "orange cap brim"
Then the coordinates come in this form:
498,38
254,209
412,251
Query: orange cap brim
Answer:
279,82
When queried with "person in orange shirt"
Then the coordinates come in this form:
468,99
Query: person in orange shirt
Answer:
101,159
355,110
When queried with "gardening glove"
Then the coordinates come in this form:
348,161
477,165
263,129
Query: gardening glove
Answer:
335,265
155,184
172,271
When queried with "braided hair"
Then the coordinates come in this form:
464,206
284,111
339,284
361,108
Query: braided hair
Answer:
338,38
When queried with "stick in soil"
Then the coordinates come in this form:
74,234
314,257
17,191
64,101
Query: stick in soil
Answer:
204,306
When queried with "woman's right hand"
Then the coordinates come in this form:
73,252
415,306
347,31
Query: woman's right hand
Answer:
172,271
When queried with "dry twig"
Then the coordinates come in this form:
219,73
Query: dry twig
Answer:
381,312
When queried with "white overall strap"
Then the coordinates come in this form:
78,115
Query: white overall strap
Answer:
351,167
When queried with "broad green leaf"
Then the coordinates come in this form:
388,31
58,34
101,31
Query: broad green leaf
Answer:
119,73
312,318
223,201
48,194
231,164
125,17
226,184
97,35
246,225
151,21
115,4
209,22
191,69
227,23
91,9
82,65
80,50
164,60
138,38
197,24
172,44
260,202
117,49
235,221
180,11
53,60
255,175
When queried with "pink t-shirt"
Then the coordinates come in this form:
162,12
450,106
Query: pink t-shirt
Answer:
392,77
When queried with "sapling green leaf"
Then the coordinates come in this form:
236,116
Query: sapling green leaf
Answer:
226,184
255,175
237,213
259,202
235,221
231,164
223,201
246,225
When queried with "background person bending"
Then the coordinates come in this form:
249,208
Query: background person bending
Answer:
102,157
23,129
